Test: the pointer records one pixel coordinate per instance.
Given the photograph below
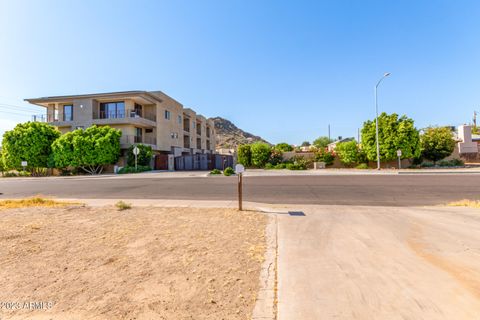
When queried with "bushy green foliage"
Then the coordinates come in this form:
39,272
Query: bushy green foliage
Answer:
427,165
283,147
394,133
260,154
269,166
322,142
144,156
276,157
362,166
348,153
280,166
89,149
451,163
31,142
244,155
298,163
326,156
228,171
437,143
129,169
215,171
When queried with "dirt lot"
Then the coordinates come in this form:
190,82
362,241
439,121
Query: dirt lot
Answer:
150,263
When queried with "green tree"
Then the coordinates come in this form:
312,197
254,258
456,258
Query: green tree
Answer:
143,158
437,143
31,142
244,155
260,154
88,149
394,133
283,147
305,144
348,153
322,142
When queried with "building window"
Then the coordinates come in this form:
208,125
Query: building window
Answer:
112,110
167,114
180,119
68,112
138,135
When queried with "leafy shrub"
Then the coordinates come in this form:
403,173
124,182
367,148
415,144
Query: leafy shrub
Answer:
322,142
244,155
215,171
269,166
348,152
24,174
10,174
427,165
362,166
144,155
295,166
260,154
123,205
323,155
437,143
283,147
228,171
280,166
450,163
276,157
128,169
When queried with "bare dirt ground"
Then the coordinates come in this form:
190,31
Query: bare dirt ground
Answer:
142,263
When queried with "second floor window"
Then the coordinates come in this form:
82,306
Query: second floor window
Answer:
109,110
68,112
167,114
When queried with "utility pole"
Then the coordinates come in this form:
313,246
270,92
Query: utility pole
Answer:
376,118
329,132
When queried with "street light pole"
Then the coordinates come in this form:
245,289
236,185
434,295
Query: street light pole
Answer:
376,118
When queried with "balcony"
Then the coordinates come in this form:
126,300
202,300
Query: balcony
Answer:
122,114
128,140
55,119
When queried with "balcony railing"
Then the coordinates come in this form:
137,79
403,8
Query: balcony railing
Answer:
122,114
47,118
128,139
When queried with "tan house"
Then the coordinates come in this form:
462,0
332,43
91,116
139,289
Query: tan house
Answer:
147,117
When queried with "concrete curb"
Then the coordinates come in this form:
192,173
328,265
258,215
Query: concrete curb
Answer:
265,305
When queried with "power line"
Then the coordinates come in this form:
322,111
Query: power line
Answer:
16,110
20,114
17,106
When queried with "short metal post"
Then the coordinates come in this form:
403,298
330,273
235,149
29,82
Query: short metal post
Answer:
240,191
399,163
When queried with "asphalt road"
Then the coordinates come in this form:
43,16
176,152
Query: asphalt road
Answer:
371,190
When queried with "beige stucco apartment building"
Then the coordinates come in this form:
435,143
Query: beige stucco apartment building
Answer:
147,117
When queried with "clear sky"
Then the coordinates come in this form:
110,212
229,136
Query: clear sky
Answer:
280,69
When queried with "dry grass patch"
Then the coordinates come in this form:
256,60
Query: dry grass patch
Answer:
465,203
152,263
32,202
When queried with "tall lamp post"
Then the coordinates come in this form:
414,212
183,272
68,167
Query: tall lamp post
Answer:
376,119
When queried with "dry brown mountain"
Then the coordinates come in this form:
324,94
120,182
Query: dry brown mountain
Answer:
229,136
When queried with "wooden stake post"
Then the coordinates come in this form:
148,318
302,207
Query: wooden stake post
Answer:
239,169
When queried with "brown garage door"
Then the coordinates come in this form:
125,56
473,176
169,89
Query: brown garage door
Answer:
161,162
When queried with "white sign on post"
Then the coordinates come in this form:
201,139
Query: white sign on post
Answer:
239,168
399,153
24,163
136,151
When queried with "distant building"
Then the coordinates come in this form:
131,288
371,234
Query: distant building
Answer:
333,145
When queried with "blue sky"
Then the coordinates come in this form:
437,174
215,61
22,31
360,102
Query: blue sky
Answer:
280,69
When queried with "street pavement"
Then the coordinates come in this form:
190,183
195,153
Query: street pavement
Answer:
355,189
